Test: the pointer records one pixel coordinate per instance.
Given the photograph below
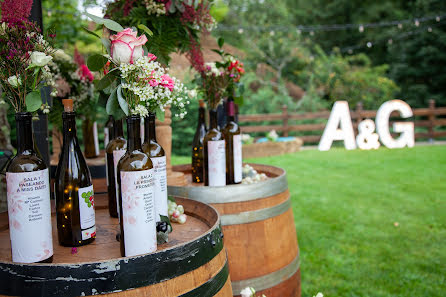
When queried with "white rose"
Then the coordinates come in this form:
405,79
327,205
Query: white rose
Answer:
40,59
14,81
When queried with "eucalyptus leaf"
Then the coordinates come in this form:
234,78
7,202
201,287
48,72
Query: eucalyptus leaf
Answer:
33,101
96,62
106,81
113,107
124,105
110,24
145,29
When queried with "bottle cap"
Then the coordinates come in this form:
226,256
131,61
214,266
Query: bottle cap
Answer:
201,102
67,105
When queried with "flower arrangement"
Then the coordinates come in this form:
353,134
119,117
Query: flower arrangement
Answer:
24,58
139,84
176,24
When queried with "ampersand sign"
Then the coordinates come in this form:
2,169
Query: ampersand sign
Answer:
367,139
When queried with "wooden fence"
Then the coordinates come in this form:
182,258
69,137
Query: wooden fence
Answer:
284,122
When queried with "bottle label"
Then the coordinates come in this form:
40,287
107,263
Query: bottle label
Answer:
86,212
237,143
95,138
217,163
160,174
141,130
29,212
138,212
106,136
117,155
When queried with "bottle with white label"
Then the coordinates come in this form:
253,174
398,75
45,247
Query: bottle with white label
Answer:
114,151
28,194
214,153
108,130
73,188
233,140
158,157
197,145
136,195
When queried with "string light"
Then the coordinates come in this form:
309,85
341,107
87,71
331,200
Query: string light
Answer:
361,28
437,18
240,31
417,23
369,44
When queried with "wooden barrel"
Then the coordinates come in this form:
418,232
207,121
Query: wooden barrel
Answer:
259,231
193,263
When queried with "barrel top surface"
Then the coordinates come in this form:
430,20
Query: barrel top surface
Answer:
275,184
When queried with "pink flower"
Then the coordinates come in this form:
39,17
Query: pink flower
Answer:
152,57
167,81
153,83
126,47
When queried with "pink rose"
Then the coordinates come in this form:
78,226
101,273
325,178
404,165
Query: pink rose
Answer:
153,83
167,81
126,47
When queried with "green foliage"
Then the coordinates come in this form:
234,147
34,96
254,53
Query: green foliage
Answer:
183,130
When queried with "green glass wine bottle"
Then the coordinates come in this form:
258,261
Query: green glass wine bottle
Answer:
233,140
197,145
73,188
113,152
28,194
158,157
214,153
136,195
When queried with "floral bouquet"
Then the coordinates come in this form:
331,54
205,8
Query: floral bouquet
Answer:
176,24
138,84
24,58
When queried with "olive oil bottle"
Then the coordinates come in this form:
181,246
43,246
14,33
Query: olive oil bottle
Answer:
197,146
158,157
113,152
28,193
233,140
214,154
136,195
73,188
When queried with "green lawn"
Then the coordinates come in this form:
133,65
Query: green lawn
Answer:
369,223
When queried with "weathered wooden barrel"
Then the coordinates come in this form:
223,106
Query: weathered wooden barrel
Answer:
193,263
259,231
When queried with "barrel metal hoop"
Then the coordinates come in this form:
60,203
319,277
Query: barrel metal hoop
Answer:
232,193
267,281
212,286
255,215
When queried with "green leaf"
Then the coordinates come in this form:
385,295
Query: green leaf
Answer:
220,52
90,32
110,24
221,42
113,107
84,195
122,102
96,62
105,81
33,101
167,220
106,43
171,199
145,29
160,114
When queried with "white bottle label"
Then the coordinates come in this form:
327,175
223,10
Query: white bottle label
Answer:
86,211
95,138
217,163
106,136
29,212
117,155
138,212
160,174
237,142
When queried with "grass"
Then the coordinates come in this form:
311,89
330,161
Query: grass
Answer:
369,223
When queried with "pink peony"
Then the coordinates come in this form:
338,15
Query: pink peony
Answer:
126,47
167,81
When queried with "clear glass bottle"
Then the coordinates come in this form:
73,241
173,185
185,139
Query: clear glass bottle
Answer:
136,195
73,188
233,140
214,153
28,193
113,152
197,145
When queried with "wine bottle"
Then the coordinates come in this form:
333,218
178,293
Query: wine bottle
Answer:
28,194
233,140
197,146
108,131
214,154
114,151
73,188
91,141
136,195
158,158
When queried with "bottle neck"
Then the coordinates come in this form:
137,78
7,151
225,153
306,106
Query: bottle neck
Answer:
213,119
133,133
25,141
231,110
69,127
150,128
118,131
201,116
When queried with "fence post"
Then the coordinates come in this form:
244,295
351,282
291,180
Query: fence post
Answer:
359,109
285,120
431,119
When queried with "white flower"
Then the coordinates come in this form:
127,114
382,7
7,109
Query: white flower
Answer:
3,28
247,292
15,81
319,295
61,56
272,135
192,93
40,59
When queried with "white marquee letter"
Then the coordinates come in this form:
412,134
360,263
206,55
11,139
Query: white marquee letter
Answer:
406,129
340,114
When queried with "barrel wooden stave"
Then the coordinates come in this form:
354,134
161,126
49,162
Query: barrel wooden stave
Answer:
194,258
261,242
